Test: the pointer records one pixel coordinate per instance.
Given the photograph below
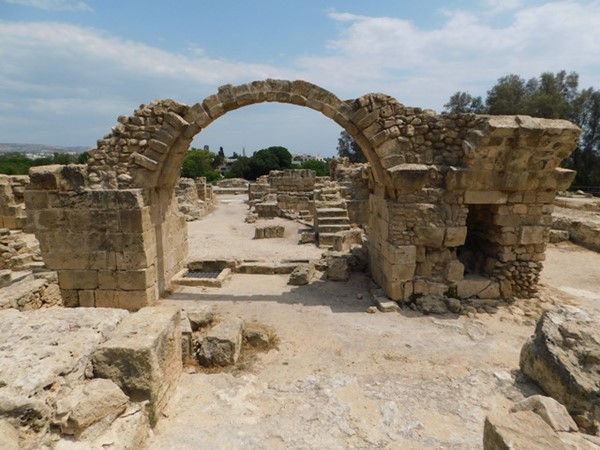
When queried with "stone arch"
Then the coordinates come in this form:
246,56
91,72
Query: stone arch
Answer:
149,146
112,231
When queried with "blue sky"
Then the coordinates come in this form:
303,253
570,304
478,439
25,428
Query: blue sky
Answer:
68,68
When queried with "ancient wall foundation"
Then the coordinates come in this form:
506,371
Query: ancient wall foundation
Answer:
445,192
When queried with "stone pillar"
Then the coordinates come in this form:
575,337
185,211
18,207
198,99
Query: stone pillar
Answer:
111,248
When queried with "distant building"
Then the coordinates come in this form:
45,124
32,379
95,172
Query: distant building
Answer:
301,159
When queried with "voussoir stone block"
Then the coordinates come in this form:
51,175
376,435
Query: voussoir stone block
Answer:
143,357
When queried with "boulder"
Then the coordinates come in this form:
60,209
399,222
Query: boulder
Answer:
89,403
563,357
523,430
553,413
431,304
200,317
222,344
302,274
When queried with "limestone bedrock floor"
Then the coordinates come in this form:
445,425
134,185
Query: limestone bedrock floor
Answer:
342,378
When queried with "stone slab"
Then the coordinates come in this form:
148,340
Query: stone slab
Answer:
143,357
41,345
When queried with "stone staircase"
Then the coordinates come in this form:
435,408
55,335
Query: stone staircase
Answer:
331,213
330,219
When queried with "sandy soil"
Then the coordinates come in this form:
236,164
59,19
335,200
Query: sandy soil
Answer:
343,378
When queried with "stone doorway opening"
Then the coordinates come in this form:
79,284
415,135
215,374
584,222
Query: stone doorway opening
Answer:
479,252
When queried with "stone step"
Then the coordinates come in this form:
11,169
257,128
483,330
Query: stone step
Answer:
333,228
334,220
267,268
332,212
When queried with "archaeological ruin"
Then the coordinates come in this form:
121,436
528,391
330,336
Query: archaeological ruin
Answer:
456,203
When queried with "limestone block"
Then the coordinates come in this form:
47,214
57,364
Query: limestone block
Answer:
408,177
485,198
131,280
455,236
564,178
338,268
558,236
88,403
303,274
553,413
87,299
421,286
532,235
455,271
143,357
477,286
199,317
78,279
521,430
130,300
400,254
430,236
222,344
401,272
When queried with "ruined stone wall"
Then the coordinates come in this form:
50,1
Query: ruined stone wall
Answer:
426,172
12,206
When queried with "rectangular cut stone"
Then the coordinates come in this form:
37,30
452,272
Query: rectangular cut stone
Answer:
144,162
455,236
485,198
143,357
78,279
430,236
130,300
401,254
532,235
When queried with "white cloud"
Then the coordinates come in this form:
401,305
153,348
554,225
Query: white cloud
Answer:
54,5
467,51
55,72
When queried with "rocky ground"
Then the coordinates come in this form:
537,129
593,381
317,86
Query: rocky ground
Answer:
344,378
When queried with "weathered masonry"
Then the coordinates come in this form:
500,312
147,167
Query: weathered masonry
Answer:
450,196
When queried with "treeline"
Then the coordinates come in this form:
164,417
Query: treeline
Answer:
551,96
19,163
204,163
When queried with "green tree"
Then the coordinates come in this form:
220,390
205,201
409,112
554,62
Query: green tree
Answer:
261,163
347,147
586,157
240,168
463,102
507,96
320,167
200,163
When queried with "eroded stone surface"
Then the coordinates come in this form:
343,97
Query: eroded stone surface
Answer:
563,357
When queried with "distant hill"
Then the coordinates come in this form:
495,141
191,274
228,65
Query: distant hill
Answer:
40,148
